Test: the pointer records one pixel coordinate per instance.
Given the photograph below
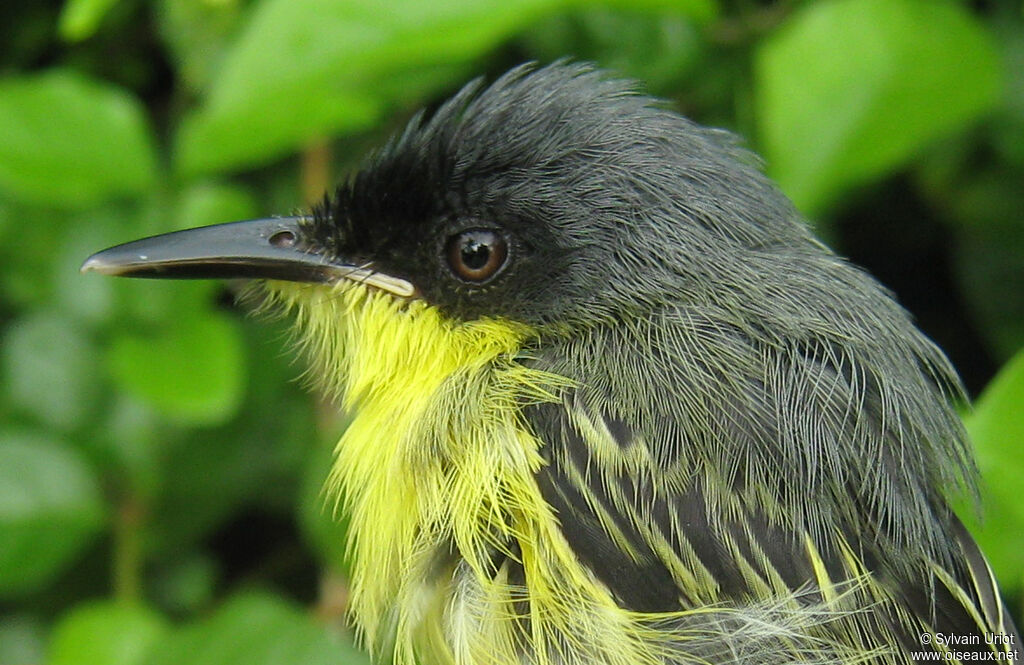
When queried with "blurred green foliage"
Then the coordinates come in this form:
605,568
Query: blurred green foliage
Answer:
160,469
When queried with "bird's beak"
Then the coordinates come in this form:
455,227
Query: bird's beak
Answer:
258,248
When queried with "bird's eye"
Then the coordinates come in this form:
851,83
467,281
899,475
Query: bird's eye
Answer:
476,255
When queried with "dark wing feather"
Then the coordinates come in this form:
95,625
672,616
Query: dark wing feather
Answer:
663,544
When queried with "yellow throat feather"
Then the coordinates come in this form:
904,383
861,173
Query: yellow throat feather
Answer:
436,454
436,460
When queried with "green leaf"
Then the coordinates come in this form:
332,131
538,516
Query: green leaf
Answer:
72,141
1007,129
27,258
851,89
105,633
698,10
158,304
50,507
195,34
255,629
997,428
88,298
213,203
656,47
80,18
50,369
192,371
130,445
327,67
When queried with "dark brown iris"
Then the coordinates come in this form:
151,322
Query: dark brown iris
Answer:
476,255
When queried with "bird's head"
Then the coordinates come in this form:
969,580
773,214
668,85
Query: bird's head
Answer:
555,198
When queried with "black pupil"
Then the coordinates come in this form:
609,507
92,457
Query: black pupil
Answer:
475,254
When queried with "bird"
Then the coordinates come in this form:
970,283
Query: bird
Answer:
613,402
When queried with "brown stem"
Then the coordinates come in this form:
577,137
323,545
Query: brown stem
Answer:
316,170
127,553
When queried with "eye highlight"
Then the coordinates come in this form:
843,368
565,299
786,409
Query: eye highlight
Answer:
476,255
